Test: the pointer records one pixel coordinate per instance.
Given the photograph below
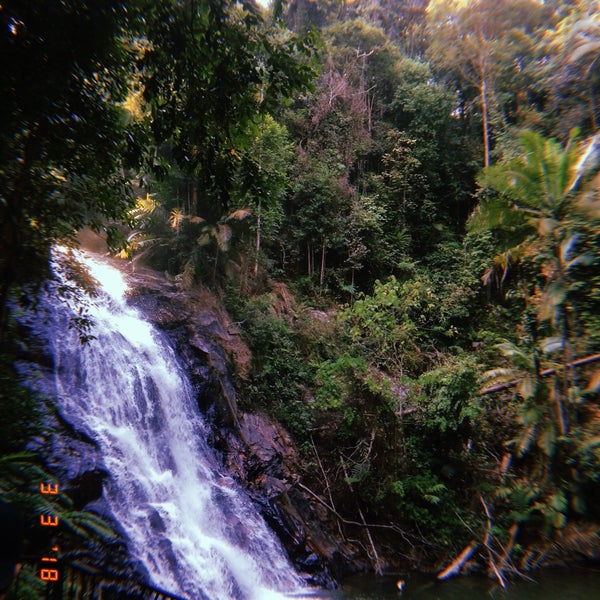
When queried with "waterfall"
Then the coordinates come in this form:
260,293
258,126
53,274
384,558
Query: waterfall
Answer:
193,529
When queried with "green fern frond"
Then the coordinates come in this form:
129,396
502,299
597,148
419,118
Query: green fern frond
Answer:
359,472
86,524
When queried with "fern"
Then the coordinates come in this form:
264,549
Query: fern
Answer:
359,472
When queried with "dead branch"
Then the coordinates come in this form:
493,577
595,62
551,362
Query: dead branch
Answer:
506,555
341,518
486,543
586,360
327,486
377,564
455,567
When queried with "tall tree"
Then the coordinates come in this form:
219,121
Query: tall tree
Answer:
542,210
569,71
424,109
262,177
472,42
585,43
402,20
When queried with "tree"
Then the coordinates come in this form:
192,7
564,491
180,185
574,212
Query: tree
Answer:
541,210
61,132
474,41
304,14
368,59
569,72
262,177
210,71
586,38
402,20
320,204
585,41
424,109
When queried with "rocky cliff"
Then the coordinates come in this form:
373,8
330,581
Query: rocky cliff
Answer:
257,452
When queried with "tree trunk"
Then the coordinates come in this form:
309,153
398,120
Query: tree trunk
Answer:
485,119
195,202
593,109
188,199
258,226
322,276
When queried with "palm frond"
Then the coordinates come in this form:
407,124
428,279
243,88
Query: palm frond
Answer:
547,226
527,387
584,47
588,202
520,356
176,218
553,297
525,439
498,375
546,440
567,247
139,239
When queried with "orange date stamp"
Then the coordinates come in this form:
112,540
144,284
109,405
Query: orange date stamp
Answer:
49,570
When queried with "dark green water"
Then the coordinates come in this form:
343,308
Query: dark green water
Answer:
573,584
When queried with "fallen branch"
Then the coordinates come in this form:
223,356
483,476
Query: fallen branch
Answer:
486,543
345,521
586,360
455,567
377,564
327,486
337,514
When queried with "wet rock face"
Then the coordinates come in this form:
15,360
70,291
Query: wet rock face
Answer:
257,452
262,457
204,338
269,445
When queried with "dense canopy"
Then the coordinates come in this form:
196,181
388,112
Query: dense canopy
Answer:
397,200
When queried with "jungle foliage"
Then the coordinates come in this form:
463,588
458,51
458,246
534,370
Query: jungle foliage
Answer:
399,202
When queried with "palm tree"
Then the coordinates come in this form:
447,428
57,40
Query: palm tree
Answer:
538,210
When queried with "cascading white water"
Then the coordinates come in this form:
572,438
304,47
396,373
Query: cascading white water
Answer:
195,531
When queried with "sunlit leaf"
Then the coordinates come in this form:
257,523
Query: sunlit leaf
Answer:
552,344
